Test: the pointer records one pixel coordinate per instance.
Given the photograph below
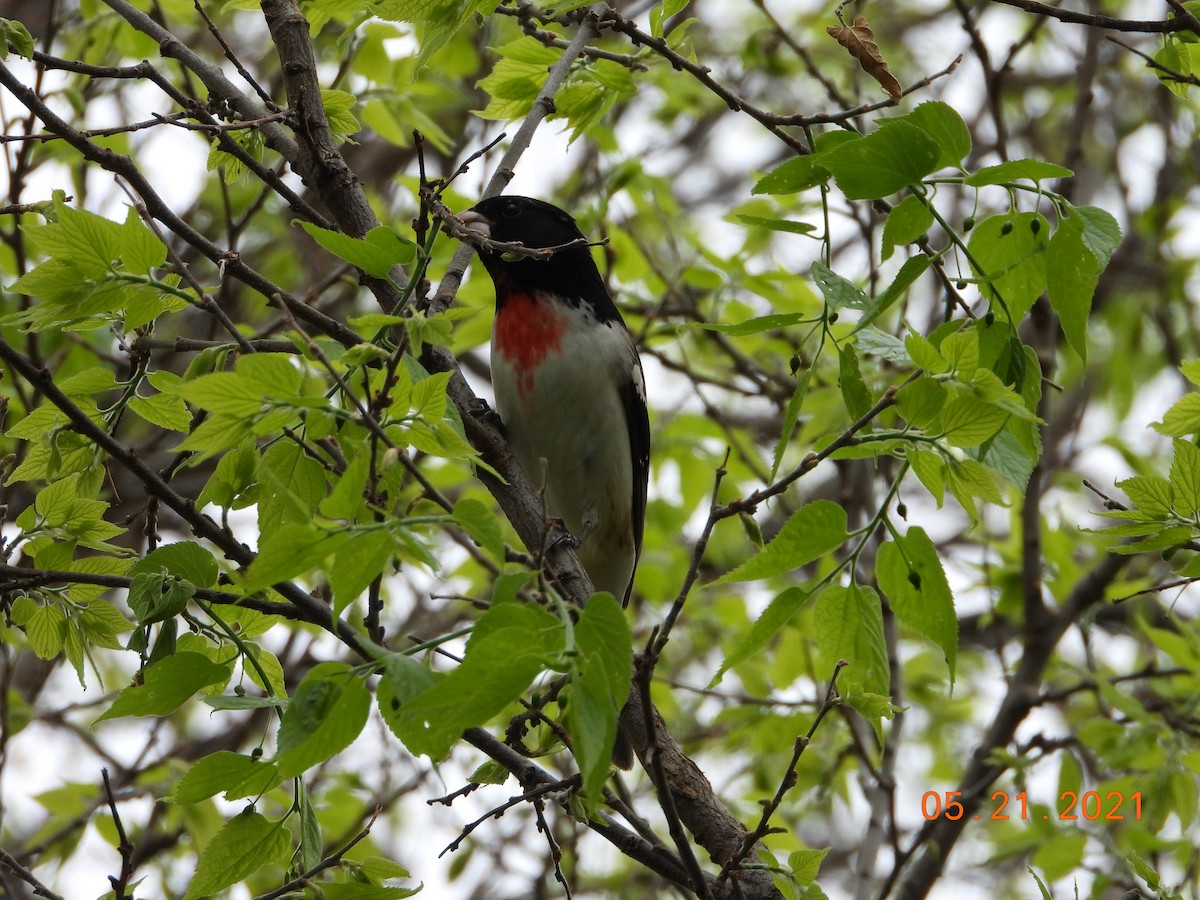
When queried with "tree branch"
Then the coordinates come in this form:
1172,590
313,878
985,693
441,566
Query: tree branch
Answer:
1151,26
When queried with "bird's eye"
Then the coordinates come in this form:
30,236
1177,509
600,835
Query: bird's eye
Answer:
511,211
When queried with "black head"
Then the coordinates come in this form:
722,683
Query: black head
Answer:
571,273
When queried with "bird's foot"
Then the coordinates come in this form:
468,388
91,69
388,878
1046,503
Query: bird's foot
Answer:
557,534
481,412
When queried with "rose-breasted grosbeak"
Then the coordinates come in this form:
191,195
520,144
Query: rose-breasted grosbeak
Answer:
568,384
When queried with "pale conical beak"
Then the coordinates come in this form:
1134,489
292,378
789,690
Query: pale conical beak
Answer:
476,223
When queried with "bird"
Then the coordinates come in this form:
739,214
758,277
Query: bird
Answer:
568,383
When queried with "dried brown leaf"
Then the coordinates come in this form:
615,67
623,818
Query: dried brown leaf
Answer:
859,40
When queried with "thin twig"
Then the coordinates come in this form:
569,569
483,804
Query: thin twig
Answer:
844,116
1168,74
541,790
539,811
232,57
334,859
789,778
13,865
1153,26
616,22
124,847
662,634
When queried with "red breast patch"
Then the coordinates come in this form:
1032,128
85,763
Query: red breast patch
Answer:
527,330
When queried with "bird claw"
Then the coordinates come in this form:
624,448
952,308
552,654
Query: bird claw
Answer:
481,412
558,536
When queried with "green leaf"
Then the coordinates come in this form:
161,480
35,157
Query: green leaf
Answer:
481,523
911,575
429,397
139,247
1008,256
275,374
1144,870
884,162
914,267
791,415
517,77
777,614
87,242
233,774
339,106
311,843
1060,854
854,388
1007,456
14,33
961,350
216,433
245,844
1175,57
968,422
102,622
55,503
792,176
839,292
510,645
164,410
226,392
183,559
1016,170
375,253
920,401
1042,889
599,688
1100,232
662,12
806,864
931,471
1149,493
755,325
1181,419
403,679
848,624
1072,273
295,484
167,685
325,715
786,225
88,382
491,772
359,562
353,891
290,551
1185,478
925,355
941,122
233,477
968,480
154,597
346,499
1191,370
224,701
813,530
423,329
45,626
907,221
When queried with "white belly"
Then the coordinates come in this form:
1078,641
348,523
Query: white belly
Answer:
566,424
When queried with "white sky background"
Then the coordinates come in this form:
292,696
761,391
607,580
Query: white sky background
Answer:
39,760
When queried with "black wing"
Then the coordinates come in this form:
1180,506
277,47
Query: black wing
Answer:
633,398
